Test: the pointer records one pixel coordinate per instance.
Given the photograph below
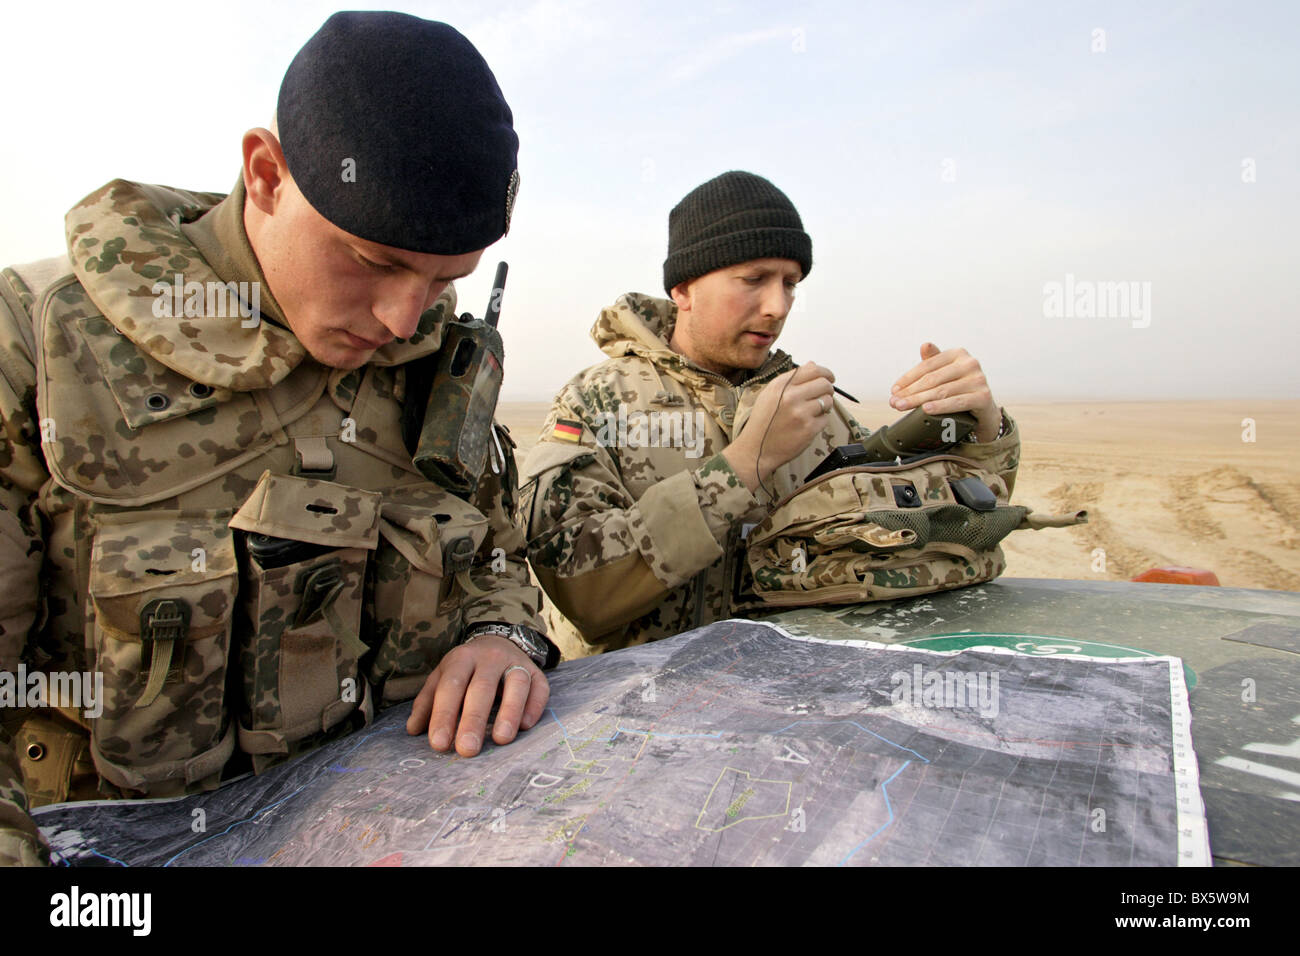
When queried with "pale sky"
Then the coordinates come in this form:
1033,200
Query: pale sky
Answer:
949,160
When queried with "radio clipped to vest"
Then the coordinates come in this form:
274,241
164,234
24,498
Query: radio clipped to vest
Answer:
456,436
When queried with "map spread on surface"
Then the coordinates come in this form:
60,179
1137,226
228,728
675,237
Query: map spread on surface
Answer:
734,745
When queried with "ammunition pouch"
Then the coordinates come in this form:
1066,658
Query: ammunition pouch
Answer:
886,531
303,591
428,539
162,596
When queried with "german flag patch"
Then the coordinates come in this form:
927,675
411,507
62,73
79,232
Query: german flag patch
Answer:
566,430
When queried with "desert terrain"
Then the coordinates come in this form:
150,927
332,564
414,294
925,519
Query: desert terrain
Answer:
1164,483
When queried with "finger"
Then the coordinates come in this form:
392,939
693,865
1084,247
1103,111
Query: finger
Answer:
929,384
938,360
515,685
929,350
810,391
538,694
456,671
953,365
422,706
477,706
962,397
810,371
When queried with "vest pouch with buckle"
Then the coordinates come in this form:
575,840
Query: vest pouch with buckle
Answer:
162,591
881,532
428,539
307,542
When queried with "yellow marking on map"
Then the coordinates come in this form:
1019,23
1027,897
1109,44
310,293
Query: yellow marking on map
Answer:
567,830
579,787
587,766
768,797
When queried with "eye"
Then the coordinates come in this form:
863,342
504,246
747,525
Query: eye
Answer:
752,280
370,263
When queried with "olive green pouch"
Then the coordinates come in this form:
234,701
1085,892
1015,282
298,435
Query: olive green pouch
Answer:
162,595
886,531
308,544
428,538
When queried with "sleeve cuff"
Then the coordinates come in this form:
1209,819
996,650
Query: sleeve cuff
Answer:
688,518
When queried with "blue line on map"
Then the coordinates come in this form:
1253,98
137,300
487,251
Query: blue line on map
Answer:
257,813
58,859
884,789
111,859
855,724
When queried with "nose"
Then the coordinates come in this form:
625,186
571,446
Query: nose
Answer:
777,299
402,303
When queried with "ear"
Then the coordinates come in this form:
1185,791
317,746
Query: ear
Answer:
265,170
681,295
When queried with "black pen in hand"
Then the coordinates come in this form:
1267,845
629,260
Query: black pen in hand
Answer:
844,393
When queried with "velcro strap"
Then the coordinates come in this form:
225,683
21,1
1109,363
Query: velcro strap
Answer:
162,662
340,627
313,453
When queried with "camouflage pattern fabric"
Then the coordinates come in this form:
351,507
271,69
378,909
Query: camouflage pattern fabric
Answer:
634,519
140,452
843,538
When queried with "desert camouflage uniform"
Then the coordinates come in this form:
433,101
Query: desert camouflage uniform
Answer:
131,444
633,544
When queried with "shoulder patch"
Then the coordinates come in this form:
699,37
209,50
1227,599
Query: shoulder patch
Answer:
567,430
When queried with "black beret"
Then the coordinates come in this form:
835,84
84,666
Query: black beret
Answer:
395,130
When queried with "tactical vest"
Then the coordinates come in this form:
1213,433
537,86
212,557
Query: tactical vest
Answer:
250,571
880,532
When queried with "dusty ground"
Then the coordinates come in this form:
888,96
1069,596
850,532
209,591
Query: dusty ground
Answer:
1163,482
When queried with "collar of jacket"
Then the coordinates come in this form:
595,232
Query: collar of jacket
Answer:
128,248
643,325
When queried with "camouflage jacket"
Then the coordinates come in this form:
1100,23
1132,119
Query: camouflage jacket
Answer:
634,518
152,468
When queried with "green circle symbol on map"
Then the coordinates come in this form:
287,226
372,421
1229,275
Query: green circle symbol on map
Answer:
1038,645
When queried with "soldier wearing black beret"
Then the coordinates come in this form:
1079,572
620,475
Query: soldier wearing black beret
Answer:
218,552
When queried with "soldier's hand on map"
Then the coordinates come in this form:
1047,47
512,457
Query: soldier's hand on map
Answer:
457,697
949,381
788,414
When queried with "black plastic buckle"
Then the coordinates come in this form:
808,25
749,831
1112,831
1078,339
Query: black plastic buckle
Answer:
315,584
973,493
905,496
460,554
328,474
162,619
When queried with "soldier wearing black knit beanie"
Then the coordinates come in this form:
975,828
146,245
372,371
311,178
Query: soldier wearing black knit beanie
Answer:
653,464
730,219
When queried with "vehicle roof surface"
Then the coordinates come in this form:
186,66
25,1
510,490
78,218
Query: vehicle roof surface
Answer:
1241,654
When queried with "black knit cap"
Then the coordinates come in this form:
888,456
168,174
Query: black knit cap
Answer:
417,112
730,219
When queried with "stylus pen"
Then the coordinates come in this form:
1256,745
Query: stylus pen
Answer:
844,393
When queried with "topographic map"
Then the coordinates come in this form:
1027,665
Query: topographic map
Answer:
732,745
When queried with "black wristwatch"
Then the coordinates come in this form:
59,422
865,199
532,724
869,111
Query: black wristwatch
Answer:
538,648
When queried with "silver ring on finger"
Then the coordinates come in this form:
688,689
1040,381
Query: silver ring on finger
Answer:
821,403
518,667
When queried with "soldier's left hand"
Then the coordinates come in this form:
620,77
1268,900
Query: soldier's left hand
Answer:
457,697
948,381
